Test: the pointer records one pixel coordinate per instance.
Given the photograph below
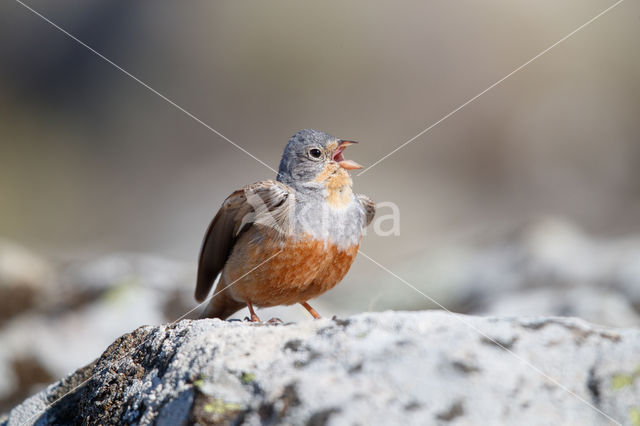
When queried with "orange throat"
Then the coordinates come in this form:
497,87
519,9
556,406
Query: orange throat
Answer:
338,186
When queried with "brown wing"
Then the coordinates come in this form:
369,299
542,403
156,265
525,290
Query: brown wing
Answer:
368,206
268,203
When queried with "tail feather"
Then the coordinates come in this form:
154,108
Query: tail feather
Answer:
222,305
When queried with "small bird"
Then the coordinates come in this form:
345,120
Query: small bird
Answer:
285,241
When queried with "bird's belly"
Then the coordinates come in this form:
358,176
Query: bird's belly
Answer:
271,273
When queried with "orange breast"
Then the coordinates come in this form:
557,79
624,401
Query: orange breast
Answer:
303,270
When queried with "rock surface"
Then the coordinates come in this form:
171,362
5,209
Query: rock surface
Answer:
403,368
75,310
547,257
58,316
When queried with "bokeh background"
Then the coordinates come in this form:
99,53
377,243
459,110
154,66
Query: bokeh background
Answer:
527,201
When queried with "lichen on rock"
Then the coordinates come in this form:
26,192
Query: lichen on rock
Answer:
395,367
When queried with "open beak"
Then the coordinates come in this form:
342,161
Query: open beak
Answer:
339,158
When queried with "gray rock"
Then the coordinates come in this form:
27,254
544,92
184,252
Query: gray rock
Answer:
56,318
469,276
384,368
23,279
80,307
592,304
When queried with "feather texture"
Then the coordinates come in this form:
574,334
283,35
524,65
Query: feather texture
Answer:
368,206
268,203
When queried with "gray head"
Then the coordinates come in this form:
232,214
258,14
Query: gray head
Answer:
311,153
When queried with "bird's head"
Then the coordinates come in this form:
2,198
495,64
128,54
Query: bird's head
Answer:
314,157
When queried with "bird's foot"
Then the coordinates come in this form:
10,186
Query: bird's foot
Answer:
275,321
254,317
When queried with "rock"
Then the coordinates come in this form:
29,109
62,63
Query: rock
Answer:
381,368
592,304
23,279
81,307
25,282
75,309
548,253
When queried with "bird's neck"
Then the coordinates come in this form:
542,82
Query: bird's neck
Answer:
338,189
333,185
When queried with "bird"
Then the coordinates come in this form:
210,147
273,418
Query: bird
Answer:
288,240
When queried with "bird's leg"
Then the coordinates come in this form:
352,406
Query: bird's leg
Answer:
254,317
311,310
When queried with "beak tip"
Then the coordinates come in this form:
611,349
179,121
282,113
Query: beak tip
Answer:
349,165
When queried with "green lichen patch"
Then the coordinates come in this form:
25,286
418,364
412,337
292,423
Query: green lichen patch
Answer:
634,416
362,335
121,290
247,377
199,382
210,410
622,380
218,406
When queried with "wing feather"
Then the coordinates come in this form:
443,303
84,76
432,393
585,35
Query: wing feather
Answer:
368,206
268,203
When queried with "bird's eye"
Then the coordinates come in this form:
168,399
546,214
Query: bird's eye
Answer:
315,153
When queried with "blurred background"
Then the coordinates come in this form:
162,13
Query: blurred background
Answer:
525,202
